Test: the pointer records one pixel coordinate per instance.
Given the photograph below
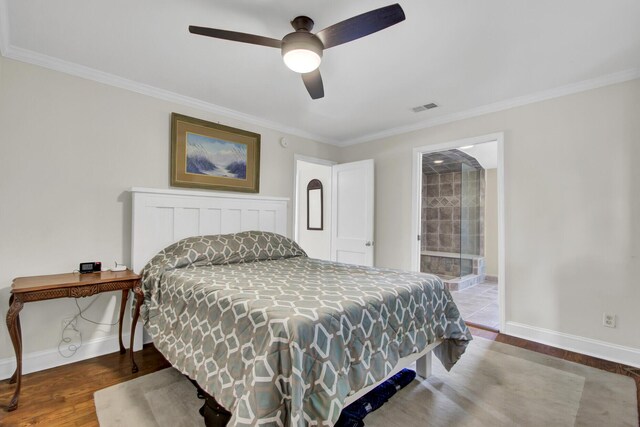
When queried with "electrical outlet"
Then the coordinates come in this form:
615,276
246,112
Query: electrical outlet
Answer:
609,320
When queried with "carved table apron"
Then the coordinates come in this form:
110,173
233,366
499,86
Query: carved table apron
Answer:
72,285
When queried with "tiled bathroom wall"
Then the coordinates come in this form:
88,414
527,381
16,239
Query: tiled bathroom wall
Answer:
441,212
451,222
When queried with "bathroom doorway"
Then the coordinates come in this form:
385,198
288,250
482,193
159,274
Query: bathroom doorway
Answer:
458,187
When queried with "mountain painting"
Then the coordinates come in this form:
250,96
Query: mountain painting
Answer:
215,157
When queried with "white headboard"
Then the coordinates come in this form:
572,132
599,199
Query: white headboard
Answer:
162,217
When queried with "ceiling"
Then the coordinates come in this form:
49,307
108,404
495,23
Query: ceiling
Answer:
467,56
448,161
484,155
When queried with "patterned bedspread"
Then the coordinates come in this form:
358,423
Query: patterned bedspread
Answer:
282,339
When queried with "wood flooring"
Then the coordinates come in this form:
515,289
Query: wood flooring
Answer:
63,396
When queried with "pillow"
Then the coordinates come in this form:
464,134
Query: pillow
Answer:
248,246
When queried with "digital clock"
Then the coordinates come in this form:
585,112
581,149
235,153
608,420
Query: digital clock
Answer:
90,267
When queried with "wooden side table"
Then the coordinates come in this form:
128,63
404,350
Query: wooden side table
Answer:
69,285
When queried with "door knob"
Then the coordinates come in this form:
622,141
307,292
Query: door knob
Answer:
368,243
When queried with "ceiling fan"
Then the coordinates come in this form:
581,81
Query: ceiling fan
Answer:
302,50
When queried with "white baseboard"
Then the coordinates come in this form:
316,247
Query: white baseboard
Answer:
596,348
45,359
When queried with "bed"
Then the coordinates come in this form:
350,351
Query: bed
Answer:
277,338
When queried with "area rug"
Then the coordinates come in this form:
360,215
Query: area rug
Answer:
493,385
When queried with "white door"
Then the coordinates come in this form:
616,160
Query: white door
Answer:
352,213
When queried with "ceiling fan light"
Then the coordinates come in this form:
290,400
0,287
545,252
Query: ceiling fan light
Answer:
302,60
302,51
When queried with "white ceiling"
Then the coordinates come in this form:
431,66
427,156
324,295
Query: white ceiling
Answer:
467,56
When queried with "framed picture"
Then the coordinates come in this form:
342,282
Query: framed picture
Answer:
213,156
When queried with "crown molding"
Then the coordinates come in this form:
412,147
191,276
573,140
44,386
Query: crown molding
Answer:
582,86
35,58
56,64
4,28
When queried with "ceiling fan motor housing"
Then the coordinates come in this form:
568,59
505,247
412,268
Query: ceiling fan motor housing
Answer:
302,40
302,23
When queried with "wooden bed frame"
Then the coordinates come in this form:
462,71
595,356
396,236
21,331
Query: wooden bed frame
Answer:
164,216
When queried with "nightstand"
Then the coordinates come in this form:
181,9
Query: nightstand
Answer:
69,285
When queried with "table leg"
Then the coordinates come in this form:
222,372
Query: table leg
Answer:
13,324
14,377
123,305
136,313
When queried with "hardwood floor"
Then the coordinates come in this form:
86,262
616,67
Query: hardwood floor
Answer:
63,396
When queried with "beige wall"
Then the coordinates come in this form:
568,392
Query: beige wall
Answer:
491,222
572,194
69,150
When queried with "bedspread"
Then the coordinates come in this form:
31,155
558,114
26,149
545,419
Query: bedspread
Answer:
280,338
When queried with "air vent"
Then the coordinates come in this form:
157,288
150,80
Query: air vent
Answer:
424,107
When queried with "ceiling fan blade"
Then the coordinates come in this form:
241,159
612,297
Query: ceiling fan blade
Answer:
361,25
235,36
313,83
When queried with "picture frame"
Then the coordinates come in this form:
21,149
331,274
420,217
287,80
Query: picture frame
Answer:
213,156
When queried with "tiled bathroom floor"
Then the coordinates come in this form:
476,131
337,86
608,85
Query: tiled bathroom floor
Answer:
479,304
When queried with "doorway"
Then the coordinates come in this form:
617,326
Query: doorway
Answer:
334,209
458,223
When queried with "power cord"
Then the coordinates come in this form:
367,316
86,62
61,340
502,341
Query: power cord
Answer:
72,348
71,326
82,310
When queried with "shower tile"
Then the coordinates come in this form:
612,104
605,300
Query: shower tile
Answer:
446,227
433,190
444,241
433,179
446,189
446,178
431,226
432,213
432,241
445,214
